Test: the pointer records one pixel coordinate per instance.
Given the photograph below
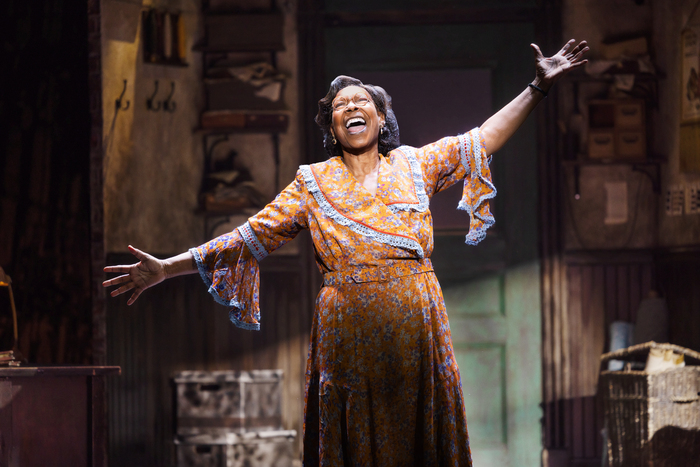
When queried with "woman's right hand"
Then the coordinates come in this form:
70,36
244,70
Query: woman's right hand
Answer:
148,272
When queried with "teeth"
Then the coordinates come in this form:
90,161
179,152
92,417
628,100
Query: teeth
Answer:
354,120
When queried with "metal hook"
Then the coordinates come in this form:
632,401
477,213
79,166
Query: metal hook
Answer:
150,102
168,104
210,150
118,102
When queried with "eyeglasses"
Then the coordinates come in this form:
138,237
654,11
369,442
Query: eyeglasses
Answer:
359,99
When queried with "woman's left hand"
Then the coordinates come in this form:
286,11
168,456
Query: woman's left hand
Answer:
550,69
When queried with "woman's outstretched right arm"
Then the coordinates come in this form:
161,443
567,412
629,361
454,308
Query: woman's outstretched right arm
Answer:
148,272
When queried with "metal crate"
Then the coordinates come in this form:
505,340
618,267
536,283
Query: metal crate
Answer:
257,449
222,402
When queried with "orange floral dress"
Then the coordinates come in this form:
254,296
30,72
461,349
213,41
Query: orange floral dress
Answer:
382,383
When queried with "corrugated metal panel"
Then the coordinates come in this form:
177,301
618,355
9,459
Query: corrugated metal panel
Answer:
176,326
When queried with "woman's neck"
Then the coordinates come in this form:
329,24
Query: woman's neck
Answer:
364,167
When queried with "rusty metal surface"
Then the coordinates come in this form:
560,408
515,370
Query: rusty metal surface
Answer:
220,402
249,449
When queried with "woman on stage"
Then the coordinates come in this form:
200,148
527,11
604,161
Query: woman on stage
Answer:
382,385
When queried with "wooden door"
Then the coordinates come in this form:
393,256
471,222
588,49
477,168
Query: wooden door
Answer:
492,291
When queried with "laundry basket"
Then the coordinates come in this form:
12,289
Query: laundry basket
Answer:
652,419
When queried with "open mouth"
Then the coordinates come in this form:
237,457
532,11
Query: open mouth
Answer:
355,125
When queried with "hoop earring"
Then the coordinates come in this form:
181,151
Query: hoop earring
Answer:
381,131
334,141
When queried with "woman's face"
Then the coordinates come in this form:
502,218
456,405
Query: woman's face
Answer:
356,121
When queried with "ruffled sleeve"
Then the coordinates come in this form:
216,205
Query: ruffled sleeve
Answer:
229,269
449,160
229,264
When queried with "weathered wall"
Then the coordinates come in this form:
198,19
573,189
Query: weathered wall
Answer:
597,20
153,160
601,272
668,20
662,22
584,222
154,163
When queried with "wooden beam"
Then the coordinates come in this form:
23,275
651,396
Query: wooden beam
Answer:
466,15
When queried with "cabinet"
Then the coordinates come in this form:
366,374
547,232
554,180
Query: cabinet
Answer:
244,114
610,130
602,125
617,129
53,415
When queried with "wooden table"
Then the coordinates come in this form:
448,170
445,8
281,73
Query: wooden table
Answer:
53,416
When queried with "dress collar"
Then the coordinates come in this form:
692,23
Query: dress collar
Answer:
346,201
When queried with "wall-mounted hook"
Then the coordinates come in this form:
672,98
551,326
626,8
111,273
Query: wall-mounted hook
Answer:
150,102
169,104
119,102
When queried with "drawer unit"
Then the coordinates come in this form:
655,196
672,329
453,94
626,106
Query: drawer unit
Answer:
631,144
629,114
601,144
617,129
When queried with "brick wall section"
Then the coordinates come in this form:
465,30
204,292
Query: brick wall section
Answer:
96,183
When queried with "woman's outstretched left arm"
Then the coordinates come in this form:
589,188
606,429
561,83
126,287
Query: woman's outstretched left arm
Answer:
501,126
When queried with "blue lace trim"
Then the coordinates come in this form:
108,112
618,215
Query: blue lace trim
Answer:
418,182
330,211
241,324
250,239
464,142
204,274
476,235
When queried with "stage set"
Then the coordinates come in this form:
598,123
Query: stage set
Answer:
163,124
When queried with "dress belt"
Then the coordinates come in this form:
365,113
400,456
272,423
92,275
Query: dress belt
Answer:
361,274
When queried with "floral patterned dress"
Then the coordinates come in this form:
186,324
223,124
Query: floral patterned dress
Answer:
382,384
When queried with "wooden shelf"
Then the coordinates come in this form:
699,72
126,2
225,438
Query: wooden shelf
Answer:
176,64
244,121
242,48
225,130
649,167
608,77
244,32
249,211
609,162
231,105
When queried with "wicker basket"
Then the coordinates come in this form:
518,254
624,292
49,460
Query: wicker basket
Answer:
653,419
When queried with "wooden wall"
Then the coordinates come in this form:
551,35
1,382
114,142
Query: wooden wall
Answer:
177,326
679,276
599,288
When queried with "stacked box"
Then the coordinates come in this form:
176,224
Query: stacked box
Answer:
230,418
